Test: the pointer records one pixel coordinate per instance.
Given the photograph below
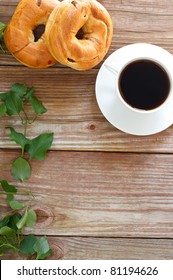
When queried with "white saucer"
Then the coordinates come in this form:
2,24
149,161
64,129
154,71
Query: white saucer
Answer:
114,110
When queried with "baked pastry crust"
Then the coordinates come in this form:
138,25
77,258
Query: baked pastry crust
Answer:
19,37
62,31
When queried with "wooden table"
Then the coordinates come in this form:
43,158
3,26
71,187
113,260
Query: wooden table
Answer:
100,193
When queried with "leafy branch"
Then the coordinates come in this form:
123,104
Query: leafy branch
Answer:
12,103
20,215
12,225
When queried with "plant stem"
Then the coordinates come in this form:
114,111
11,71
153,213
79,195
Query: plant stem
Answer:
30,122
18,193
25,127
9,246
26,117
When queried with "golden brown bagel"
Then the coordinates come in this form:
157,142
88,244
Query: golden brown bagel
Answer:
19,37
62,33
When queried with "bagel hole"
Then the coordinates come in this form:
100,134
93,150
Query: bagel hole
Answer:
38,32
80,34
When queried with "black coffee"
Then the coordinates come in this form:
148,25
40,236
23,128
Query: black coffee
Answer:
144,84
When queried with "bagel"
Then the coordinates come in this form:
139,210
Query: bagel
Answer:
19,33
79,33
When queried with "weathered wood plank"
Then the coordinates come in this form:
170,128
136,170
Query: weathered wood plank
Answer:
73,114
81,248
101,194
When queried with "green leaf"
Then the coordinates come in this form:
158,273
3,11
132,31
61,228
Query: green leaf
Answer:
31,219
7,187
37,105
42,248
27,244
13,220
40,145
16,205
3,95
21,223
3,109
13,103
2,27
19,138
10,197
19,89
7,231
13,203
29,93
8,246
21,169
28,219
4,221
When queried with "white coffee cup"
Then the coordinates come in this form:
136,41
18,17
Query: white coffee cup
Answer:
152,71
128,118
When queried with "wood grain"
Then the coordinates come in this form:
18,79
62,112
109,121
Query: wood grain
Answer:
73,114
82,248
102,194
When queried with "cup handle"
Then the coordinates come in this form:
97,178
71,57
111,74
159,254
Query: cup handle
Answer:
109,66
